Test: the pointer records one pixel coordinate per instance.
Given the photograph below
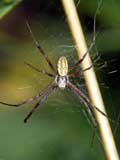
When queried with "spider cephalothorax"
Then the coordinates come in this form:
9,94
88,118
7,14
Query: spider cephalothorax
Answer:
61,81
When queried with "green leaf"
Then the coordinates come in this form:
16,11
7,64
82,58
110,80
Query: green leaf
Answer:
6,6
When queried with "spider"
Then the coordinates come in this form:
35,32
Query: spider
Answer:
61,81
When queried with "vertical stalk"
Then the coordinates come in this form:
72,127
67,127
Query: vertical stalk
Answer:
90,79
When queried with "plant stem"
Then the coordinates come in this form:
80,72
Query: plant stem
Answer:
90,79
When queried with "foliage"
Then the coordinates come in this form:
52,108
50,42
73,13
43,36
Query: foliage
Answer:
6,6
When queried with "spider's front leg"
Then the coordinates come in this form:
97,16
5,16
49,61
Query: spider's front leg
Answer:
88,105
83,98
21,103
42,95
45,94
25,101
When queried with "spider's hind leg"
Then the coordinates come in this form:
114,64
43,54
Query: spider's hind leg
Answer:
40,49
76,73
39,70
88,50
88,68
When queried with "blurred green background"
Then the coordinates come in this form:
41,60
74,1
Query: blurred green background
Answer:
59,129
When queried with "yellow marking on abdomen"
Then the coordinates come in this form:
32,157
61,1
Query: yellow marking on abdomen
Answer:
62,66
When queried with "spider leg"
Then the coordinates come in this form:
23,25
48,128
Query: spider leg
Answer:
40,70
90,112
88,50
84,100
29,99
21,103
40,48
76,73
45,95
93,137
87,68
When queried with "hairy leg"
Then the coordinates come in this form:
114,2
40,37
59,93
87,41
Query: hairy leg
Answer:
40,48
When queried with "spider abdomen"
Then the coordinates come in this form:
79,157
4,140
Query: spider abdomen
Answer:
62,66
